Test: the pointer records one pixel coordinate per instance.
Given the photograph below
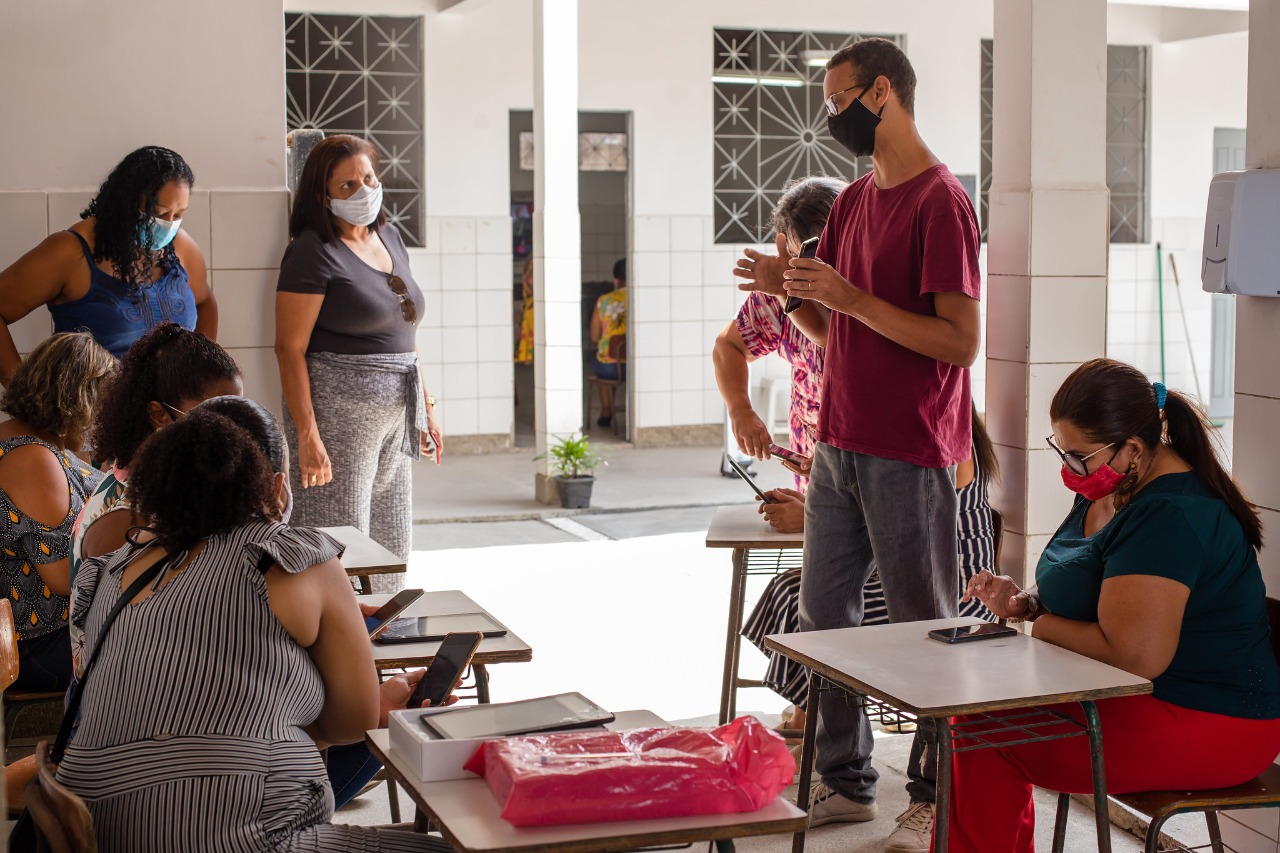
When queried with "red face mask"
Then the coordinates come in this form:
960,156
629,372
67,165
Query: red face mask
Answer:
1095,486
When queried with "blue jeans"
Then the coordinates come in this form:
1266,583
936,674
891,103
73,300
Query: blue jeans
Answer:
350,769
862,513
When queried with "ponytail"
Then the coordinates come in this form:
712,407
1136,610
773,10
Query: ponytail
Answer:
1189,436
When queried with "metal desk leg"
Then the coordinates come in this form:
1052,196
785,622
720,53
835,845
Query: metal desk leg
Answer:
942,809
806,757
482,683
1100,809
737,591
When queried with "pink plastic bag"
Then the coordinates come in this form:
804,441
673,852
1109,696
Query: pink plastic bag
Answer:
594,776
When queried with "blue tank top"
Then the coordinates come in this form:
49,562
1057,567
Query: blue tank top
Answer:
117,314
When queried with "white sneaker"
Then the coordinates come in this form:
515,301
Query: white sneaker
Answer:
914,832
828,806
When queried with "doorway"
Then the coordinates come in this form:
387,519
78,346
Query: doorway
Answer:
604,206
1228,156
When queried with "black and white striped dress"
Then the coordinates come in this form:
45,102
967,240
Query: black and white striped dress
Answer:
191,732
779,609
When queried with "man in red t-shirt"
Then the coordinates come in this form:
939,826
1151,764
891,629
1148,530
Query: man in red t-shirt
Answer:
893,295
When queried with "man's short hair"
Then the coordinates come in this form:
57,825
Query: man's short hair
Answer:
620,270
877,57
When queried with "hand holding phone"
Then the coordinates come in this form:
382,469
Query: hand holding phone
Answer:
808,249
447,668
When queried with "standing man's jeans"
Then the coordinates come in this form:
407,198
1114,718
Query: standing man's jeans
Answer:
861,513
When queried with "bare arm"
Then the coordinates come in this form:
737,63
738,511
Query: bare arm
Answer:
952,335
597,328
731,357
37,484
1139,624
198,280
765,273
296,315
318,609
35,279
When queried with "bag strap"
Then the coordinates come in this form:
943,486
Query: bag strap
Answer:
73,703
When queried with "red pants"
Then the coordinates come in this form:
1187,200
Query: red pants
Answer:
1148,745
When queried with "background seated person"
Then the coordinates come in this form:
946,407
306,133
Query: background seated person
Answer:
221,748
49,400
609,320
1154,571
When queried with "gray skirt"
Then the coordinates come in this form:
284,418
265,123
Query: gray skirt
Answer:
369,412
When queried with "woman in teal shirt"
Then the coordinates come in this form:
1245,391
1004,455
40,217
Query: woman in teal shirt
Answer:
1154,571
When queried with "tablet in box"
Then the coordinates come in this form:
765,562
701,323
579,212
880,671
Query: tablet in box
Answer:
426,629
561,712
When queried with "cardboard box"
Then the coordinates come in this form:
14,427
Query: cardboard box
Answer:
437,760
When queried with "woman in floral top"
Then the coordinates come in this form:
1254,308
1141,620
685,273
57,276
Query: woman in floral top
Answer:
50,402
760,329
608,328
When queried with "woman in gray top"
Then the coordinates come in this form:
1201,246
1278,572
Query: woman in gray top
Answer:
347,309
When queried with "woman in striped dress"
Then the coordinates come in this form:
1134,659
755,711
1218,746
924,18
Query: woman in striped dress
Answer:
204,705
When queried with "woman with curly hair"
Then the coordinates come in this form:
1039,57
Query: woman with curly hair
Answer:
123,268
183,749
166,373
49,400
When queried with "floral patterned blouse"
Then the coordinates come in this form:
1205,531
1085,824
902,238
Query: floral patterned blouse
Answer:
109,495
26,543
765,329
612,307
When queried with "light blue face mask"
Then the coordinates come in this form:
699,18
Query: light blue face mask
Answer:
159,233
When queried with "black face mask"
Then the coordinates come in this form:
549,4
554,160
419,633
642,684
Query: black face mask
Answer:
855,127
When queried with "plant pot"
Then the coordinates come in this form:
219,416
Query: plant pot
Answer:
575,492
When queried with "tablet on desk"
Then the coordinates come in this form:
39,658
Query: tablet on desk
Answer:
562,712
428,629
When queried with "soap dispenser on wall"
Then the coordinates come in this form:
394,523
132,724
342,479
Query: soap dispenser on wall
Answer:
1242,234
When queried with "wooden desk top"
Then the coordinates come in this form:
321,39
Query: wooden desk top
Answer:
901,665
468,815
508,649
744,527
363,555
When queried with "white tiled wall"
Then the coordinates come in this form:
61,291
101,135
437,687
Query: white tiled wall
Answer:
1133,306
466,335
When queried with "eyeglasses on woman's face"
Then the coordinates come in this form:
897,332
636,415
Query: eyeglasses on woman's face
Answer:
1075,461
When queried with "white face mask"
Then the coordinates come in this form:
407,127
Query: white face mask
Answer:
362,208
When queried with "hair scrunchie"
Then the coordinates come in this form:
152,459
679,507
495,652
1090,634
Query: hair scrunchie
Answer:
1161,394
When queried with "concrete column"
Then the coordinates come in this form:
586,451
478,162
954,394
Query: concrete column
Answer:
1255,461
1047,250
557,240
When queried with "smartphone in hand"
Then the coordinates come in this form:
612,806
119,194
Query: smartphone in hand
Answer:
446,669
788,454
808,249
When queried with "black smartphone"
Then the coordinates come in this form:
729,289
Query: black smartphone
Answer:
446,669
985,631
788,454
742,472
378,622
808,249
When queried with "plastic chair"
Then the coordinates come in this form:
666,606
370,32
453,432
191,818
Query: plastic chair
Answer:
16,700
1159,806
63,823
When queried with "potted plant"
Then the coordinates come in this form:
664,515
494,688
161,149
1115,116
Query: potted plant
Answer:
574,462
